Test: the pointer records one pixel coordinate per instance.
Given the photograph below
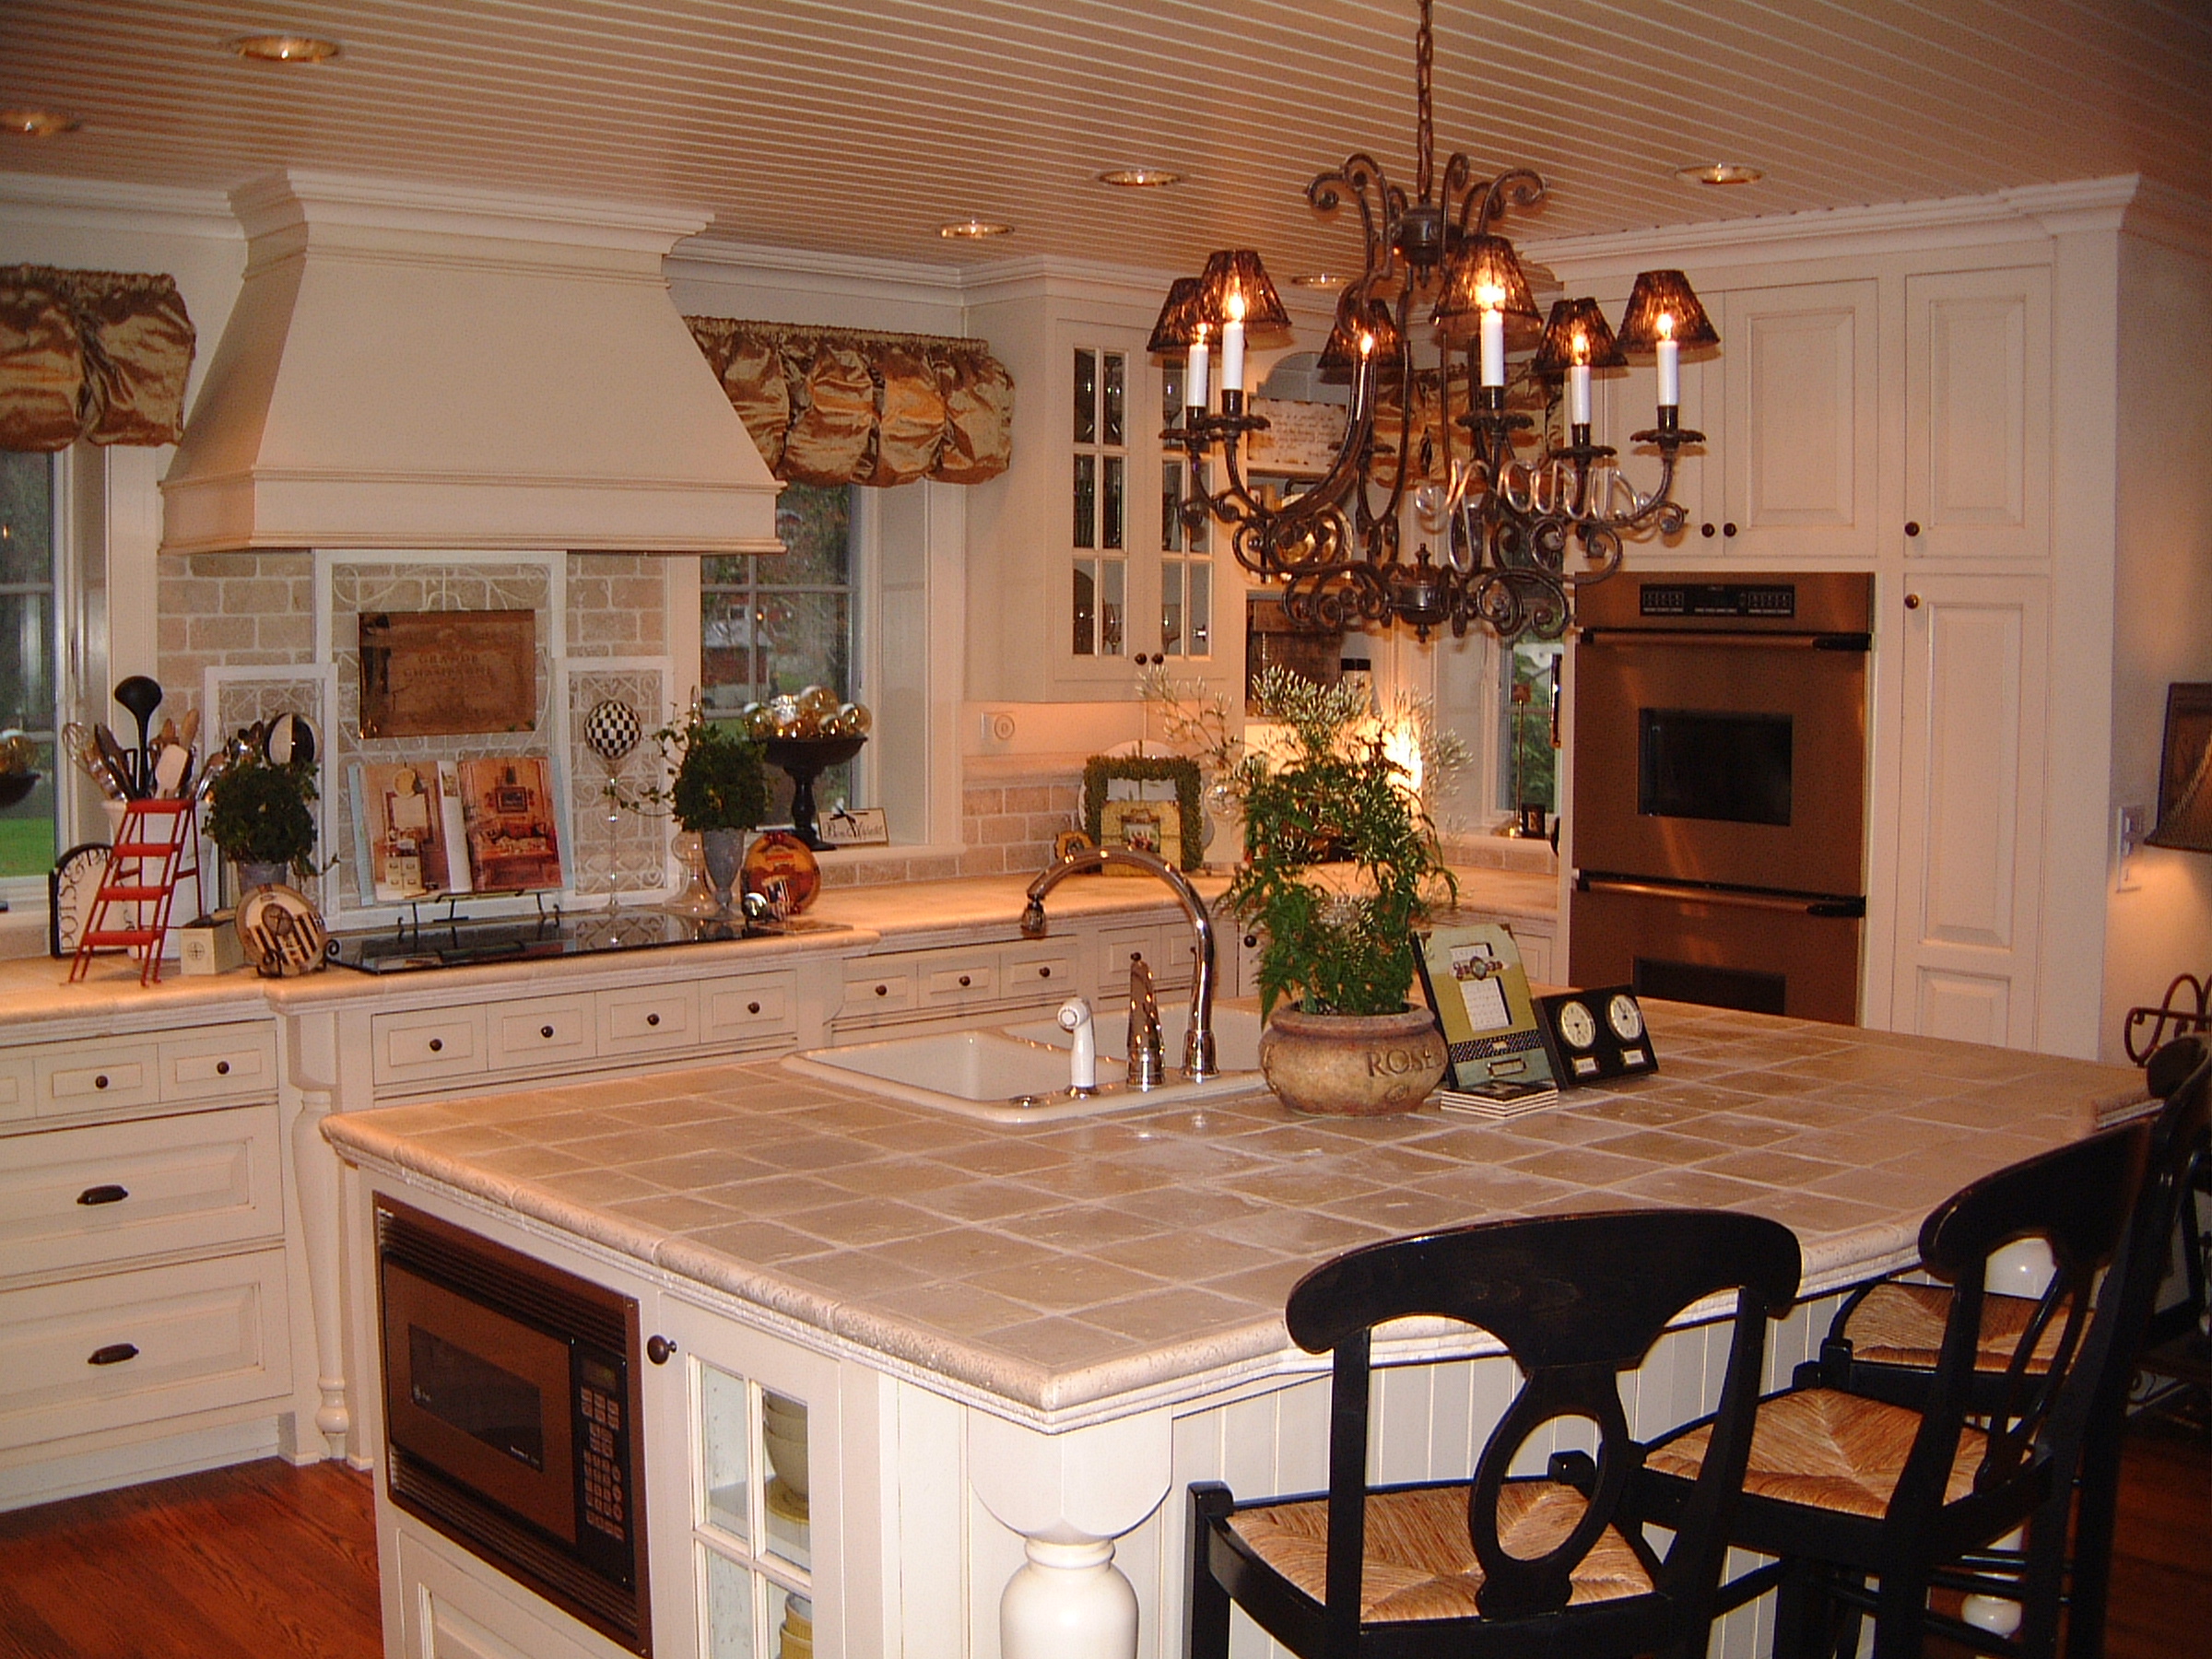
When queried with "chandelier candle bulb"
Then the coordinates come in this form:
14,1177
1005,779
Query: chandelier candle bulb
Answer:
1195,393
1578,384
1670,364
1232,345
1493,343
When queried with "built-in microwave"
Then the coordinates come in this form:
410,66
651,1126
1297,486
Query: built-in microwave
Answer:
511,1416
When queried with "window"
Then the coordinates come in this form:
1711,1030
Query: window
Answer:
777,624
1528,697
29,642
1186,567
1100,531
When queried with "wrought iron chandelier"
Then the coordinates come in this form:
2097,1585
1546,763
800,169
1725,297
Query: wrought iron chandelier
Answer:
1516,536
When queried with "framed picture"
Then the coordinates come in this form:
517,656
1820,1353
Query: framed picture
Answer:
857,827
2184,762
1478,991
1069,842
510,820
1149,790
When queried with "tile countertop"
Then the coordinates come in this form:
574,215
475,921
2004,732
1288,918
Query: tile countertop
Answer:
35,991
1067,1272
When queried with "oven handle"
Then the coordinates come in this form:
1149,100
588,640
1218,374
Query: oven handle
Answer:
1838,908
1723,636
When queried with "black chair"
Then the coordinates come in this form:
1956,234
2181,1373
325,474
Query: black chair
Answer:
1873,1348
1845,1487
1493,1565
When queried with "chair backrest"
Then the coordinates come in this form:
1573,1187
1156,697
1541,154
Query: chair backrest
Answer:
2077,1198
1576,1300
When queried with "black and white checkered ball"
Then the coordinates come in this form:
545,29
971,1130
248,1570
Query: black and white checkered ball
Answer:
612,730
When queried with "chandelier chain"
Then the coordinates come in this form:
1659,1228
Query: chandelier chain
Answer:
1424,59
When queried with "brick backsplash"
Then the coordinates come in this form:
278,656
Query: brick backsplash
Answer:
1005,829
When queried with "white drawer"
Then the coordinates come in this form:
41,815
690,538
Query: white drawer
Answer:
640,1021
1043,970
83,1197
122,1074
541,1030
883,992
435,1044
230,1064
18,1087
743,1010
958,982
137,1346
1167,951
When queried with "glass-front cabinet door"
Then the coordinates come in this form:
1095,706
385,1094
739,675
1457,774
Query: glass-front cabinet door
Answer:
753,1572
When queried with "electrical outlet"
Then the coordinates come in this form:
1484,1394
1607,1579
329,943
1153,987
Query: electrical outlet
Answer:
2127,836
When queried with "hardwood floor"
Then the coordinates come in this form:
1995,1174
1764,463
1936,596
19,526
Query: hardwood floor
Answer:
266,1561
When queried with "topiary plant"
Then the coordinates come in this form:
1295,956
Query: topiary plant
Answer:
259,813
719,783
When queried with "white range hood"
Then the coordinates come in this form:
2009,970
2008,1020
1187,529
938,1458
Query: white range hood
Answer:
410,368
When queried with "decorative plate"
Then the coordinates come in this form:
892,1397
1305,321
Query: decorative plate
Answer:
282,934
780,868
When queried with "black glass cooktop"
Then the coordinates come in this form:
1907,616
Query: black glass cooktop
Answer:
461,944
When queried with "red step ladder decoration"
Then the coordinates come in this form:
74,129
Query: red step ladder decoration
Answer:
157,846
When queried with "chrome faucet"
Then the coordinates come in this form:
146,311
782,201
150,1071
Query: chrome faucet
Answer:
1148,1062
1199,1060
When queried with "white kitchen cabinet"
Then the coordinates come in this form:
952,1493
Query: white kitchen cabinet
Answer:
1978,414
452,1607
1970,821
1789,410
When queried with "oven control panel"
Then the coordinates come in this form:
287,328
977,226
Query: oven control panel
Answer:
1774,599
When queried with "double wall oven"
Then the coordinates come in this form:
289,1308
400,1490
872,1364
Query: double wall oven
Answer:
1719,789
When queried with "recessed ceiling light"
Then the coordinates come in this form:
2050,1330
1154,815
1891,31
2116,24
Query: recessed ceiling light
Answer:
36,124
1139,178
1319,279
282,48
1719,172
972,229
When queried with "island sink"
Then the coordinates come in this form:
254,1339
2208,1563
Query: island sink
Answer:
1019,1073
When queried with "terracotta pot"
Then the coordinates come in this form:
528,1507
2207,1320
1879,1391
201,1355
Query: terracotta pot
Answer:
1352,1064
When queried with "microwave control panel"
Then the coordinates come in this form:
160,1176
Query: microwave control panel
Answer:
1777,599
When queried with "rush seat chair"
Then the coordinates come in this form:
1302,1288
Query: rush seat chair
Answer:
1846,1488
1493,1565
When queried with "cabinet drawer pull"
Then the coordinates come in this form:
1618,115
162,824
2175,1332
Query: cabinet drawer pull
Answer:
437,1045
652,1019
883,990
1911,601
1705,530
1727,529
546,1032
115,1353
222,1068
752,1007
965,982
109,1193
1912,527
1045,972
659,1349
100,1081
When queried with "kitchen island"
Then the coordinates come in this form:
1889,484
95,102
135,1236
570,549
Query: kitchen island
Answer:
1014,1343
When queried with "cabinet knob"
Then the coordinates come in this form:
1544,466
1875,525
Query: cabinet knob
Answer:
1727,529
752,1007
965,982
1705,530
108,1192
659,1348
883,990
115,1353
1912,526
546,1032
100,1081
1911,601
437,1045
1045,972
1252,941
652,1019
222,1068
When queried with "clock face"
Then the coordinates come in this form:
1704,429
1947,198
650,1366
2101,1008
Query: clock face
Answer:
1625,1017
1578,1026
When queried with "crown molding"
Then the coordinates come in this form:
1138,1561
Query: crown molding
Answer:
295,198
2172,218
1035,276
2031,211
54,200
709,258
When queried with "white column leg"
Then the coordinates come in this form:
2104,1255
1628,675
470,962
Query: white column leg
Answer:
315,1176
1069,1602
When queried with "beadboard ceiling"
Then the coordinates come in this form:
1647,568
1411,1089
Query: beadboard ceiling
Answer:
857,126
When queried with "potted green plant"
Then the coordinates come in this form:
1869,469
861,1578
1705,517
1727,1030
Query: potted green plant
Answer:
261,815
1342,865
720,792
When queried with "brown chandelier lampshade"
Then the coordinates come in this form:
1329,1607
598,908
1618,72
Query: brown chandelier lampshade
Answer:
1342,351
1664,293
1569,318
1177,329
1239,270
1485,262
2185,771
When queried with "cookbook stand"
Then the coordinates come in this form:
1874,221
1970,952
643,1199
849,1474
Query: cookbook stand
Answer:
156,848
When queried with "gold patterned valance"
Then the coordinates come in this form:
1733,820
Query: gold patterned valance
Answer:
99,355
833,405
